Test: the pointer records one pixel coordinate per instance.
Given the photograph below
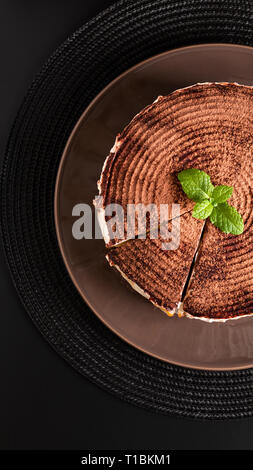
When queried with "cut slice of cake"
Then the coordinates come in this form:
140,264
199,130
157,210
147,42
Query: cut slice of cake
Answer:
221,286
157,274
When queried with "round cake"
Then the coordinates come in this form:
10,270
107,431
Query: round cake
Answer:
207,126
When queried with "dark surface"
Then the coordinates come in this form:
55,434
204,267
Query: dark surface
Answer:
80,67
43,402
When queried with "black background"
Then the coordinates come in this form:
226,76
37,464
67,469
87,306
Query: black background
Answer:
44,404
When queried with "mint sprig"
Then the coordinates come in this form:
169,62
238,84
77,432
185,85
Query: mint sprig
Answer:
211,201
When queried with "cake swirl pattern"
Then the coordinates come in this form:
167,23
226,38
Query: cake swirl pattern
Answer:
206,126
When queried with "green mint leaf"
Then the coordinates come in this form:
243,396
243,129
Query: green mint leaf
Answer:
211,201
202,210
222,193
196,184
227,219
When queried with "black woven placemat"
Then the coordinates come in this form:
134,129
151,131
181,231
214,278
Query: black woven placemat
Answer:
116,39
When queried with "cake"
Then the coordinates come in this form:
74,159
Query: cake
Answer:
208,126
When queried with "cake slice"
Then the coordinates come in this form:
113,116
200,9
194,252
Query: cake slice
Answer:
221,286
157,274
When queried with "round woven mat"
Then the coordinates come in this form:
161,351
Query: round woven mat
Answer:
118,38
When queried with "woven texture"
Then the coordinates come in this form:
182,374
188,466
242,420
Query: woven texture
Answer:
118,38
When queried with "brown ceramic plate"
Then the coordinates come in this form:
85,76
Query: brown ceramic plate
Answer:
191,343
